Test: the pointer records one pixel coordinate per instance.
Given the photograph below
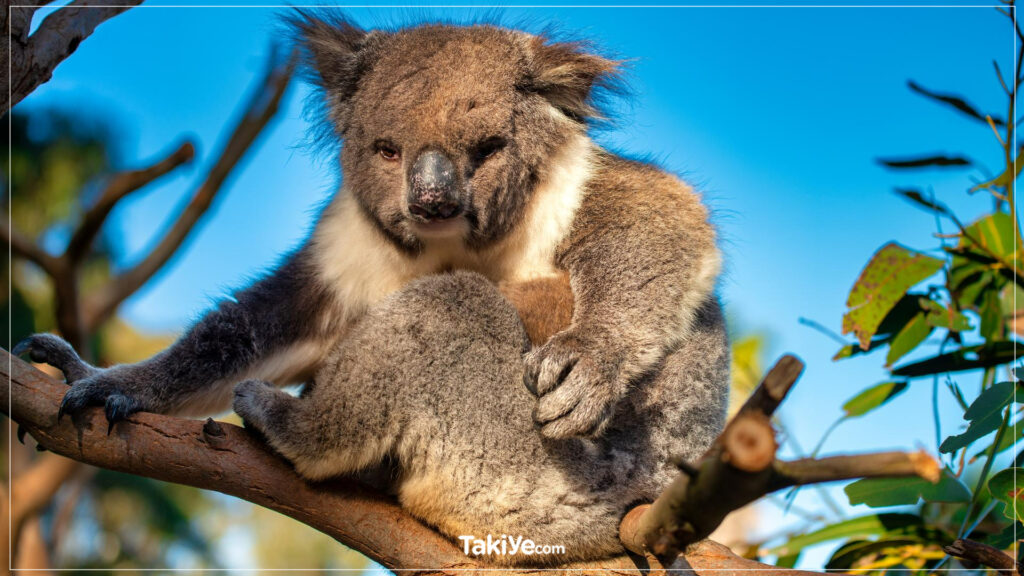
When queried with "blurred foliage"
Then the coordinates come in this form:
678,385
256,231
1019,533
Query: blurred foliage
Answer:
748,351
57,163
966,293
103,520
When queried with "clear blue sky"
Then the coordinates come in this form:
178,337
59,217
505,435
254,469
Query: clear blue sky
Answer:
776,114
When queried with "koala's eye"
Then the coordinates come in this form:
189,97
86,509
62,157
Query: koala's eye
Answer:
387,150
488,148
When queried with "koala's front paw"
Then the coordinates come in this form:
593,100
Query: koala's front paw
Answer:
53,350
254,400
575,384
90,386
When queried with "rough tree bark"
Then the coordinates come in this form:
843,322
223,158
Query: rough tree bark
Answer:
33,58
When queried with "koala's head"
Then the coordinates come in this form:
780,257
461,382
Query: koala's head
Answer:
446,130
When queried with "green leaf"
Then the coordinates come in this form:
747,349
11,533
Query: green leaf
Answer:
966,358
1013,435
917,198
788,561
1004,539
872,398
991,312
902,312
955,102
1012,299
993,233
985,415
941,317
881,492
915,332
888,275
969,282
860,527
938,161
1008,487
847,555
851,350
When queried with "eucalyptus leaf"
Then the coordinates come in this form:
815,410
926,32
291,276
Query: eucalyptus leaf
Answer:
872,398
919,199
966,358
1013,435
860,527
955,102
847,555
991,312
984,414
940,316
913,334
884,281
934,161
1008,487
881,492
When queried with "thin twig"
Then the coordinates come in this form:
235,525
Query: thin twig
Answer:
260,109
117,188
23,247
983,554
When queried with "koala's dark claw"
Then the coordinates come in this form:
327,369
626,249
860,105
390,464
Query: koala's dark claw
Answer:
22,347
117,408
36,354
53,350
60,411
21,434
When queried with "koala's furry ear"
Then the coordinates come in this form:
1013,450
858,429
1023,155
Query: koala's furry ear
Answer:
336,50
567,74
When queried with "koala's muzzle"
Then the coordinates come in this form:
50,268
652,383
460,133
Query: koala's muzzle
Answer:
433,188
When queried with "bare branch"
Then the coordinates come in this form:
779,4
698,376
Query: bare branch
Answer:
835,468
21,19
740,467
226,458
117,188
22,247
262,106
58,36
775,386
983,554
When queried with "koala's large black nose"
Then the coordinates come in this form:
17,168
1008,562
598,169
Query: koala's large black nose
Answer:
433,187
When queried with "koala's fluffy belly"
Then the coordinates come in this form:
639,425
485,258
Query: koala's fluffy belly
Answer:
470,461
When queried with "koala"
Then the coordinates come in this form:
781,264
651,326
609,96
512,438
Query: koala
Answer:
525,324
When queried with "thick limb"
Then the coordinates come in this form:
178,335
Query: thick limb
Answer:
271,330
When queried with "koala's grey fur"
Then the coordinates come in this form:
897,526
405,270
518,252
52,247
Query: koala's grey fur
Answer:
433,368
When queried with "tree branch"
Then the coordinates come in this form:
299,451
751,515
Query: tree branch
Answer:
58,36
740,467
117,188
226,458
983,554
23,247
262,106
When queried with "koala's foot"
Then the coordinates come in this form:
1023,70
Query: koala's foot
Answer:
90,386
260,404
576,386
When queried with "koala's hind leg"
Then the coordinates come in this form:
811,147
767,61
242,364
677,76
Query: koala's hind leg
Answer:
308,432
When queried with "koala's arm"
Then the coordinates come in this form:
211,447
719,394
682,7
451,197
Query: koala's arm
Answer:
642,259
269,330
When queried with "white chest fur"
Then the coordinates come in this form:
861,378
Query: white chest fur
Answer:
363,267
